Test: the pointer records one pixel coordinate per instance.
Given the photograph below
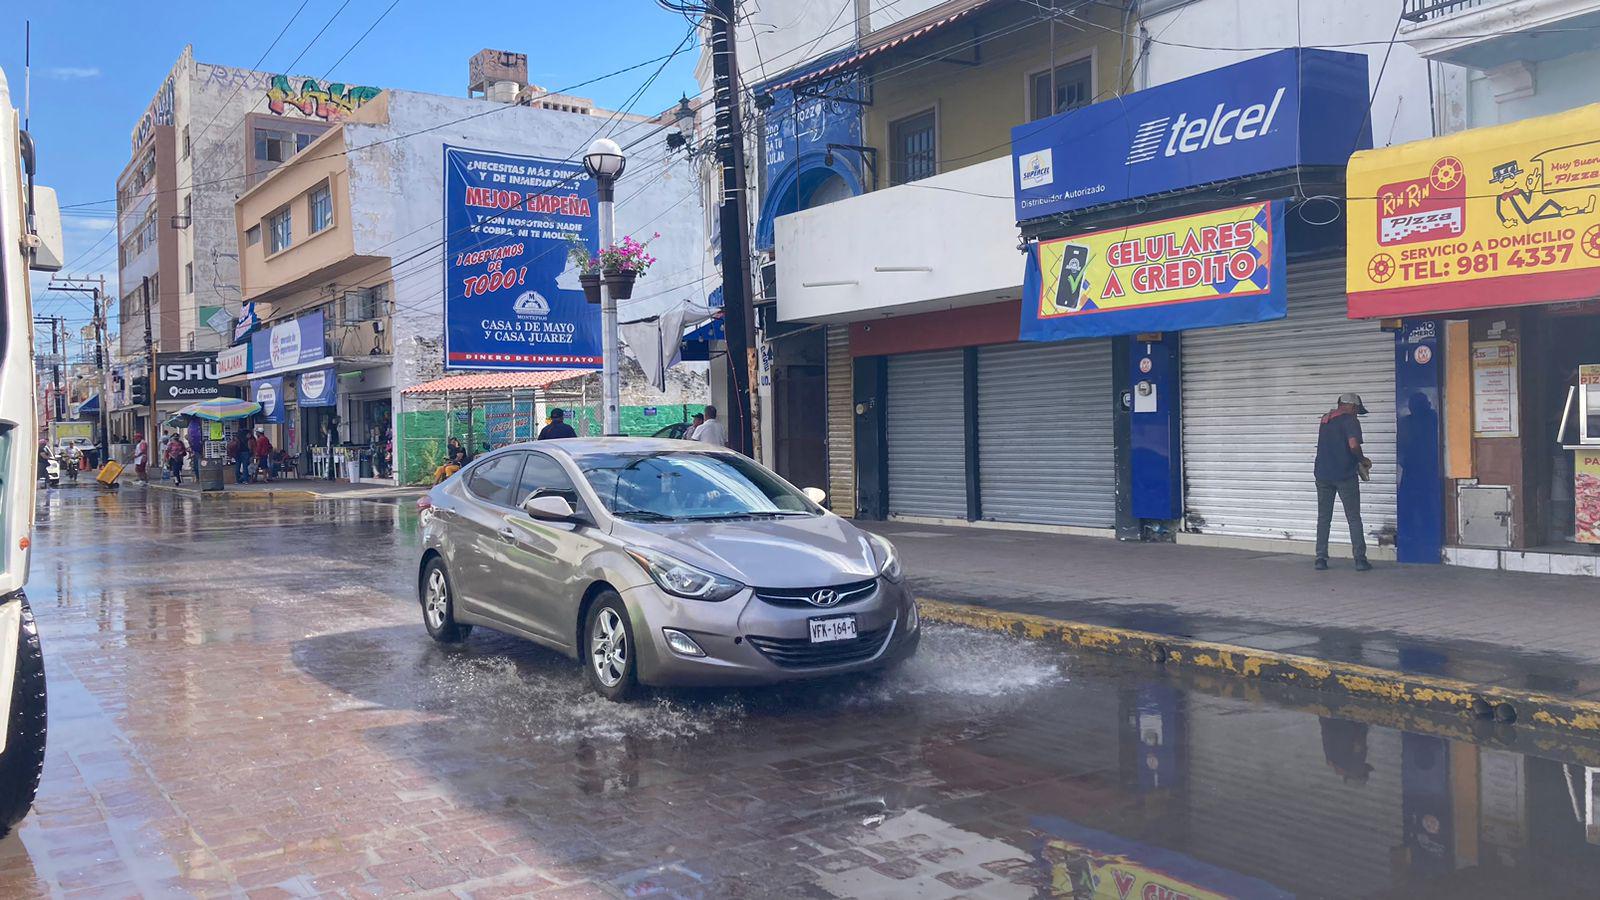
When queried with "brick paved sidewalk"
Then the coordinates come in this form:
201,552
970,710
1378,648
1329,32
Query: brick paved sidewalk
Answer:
1534,632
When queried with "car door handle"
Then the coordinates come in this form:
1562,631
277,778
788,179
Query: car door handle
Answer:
508,534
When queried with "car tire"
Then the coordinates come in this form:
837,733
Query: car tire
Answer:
438,598
23,760
608,631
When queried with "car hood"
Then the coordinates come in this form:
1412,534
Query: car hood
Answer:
773,553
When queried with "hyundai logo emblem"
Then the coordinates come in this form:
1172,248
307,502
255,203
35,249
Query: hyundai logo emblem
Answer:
825,597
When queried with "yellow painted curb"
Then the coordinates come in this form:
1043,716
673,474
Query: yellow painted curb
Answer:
1354,680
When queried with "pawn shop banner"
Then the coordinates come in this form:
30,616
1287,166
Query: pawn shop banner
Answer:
1216,268
1500,216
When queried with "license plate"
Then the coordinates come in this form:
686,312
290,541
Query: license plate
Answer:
838,628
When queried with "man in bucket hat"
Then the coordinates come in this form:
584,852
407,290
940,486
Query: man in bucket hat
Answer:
1340,468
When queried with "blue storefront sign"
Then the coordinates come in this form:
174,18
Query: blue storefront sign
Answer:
800,125
289,344
511,295
318,387
269,393
1295,107
246,323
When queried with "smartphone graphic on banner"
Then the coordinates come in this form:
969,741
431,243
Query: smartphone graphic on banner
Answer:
1070,293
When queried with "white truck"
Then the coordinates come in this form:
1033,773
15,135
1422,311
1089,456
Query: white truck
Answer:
30,240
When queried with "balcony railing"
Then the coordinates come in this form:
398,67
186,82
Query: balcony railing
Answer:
1434,10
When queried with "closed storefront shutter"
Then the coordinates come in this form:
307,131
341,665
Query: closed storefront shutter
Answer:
841,423
1252,399
1045,452
927,452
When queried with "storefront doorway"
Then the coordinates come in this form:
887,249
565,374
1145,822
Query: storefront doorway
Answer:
1568,340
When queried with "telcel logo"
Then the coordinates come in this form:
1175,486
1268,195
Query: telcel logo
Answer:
1168,137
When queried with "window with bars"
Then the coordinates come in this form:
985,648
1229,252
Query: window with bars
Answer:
913,148
321,203
280,230
1074,88
361,305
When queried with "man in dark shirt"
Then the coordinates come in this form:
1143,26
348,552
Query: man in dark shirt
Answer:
558,427
1339,469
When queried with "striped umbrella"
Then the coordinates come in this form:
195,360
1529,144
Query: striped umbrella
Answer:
221,409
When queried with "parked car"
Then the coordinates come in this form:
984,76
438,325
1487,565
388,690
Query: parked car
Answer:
676,431
659,562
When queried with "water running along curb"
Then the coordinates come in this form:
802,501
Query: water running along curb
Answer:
1433,693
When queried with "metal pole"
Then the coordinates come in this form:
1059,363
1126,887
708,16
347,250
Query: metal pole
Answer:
100,352
55,369
610,384
734,226
149,360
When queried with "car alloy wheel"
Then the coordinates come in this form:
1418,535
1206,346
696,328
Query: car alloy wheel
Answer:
436,599
609,648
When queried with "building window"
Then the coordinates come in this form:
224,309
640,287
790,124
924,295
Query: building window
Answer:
185,142
364,304
1074,88
912,148
321,207
188,277
302,141
280,230
252,235
274,146
188,210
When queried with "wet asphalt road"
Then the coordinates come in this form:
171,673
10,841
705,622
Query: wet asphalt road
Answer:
243,702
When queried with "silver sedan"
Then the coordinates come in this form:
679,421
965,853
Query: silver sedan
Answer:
659,562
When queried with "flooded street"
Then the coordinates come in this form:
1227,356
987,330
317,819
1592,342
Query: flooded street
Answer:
262,714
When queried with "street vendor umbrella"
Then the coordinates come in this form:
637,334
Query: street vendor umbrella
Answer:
221,409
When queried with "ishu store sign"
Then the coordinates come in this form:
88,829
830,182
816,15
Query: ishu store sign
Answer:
1216,268
1295,107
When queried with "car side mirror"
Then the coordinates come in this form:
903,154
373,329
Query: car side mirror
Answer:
549,507
815,495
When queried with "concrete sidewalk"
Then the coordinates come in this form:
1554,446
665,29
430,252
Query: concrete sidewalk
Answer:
1520,632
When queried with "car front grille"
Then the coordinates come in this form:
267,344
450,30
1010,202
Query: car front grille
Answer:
801,597
800,653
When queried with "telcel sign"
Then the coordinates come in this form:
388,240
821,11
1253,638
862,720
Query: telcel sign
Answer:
1290,108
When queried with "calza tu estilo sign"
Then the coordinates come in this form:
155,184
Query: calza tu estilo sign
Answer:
512,297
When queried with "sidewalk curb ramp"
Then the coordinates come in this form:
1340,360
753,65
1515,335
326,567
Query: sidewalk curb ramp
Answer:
1432,693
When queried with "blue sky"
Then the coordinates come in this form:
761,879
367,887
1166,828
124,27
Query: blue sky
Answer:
96,66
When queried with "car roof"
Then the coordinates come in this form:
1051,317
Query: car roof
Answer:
578,448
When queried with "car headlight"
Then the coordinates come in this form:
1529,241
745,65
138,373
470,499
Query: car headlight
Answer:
888,559
680,579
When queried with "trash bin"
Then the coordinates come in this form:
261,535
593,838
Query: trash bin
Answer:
210,476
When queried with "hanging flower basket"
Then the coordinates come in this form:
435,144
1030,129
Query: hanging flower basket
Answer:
620,282
591,286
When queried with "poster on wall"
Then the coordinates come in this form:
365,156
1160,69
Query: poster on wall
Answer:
1490,217
269,393
1217,268
1494,389
1586,496
511,295
318,387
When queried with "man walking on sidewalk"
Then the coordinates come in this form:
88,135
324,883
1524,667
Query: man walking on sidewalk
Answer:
1339,470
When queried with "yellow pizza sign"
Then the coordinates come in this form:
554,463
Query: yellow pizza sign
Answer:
1490,217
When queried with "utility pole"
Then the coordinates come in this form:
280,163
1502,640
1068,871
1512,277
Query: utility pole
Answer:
149,359
734,224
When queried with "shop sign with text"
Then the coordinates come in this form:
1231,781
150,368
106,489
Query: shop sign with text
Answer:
1231,122
1500,216
1216,268
233,361
294,342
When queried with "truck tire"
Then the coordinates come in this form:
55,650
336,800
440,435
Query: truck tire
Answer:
22,762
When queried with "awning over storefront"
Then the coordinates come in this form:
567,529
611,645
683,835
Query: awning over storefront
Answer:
479,382
89,407
1491,217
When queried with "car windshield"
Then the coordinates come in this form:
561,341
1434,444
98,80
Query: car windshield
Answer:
675,485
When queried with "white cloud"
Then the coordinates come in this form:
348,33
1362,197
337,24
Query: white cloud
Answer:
70,73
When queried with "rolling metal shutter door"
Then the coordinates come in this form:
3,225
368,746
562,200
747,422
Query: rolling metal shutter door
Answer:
1252,399
1045,450
926,436
841,423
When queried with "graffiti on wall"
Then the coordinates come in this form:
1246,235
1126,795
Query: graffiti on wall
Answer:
312,98
159,113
